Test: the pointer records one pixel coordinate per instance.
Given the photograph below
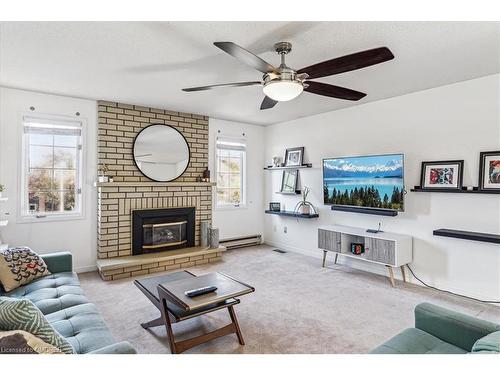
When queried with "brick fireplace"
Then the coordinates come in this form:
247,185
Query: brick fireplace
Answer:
132,192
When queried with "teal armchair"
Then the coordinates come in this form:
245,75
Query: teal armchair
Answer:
443,331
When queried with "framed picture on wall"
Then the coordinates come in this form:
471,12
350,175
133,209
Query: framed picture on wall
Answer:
289,182
294,156
447,175
489,170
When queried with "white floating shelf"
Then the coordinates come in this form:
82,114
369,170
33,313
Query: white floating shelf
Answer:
5,199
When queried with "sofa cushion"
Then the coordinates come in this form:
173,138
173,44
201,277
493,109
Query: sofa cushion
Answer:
416,341
489,344
52,293
22,314
20,266
22,342
82,326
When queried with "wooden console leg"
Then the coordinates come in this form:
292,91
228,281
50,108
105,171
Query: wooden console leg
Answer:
336,257
324,257
153,323
168,326
391,276
403,273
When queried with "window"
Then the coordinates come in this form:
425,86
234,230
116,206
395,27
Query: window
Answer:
52,151
230,169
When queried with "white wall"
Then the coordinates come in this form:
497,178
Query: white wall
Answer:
77,236
248,220
450,122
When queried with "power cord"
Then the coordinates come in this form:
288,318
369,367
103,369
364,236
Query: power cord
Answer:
447,291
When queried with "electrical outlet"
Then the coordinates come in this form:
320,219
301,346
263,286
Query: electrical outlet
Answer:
285,229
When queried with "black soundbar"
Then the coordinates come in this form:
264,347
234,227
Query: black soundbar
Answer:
365,210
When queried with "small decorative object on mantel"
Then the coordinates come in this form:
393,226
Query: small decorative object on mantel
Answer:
441,175
206,175
304,206
111,179
103,171
294,156
275,206
199,178
2,188
204,229
489,171
276,161
214,238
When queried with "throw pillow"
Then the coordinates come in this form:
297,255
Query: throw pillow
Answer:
22,314
22,342
20,266
488,344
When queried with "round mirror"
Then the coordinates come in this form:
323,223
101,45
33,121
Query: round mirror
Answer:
161,152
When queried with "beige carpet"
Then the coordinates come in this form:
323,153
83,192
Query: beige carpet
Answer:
298,307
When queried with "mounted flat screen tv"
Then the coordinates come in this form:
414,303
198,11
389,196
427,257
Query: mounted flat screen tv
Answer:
365,181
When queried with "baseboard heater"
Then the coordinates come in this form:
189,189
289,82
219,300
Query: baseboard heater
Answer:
236,242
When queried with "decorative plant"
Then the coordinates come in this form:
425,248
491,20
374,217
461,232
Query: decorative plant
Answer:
2,188
304,206
103,169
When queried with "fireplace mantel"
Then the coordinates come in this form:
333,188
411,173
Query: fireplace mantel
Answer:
152,183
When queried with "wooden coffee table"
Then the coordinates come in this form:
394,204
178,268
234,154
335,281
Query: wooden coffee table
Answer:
166,292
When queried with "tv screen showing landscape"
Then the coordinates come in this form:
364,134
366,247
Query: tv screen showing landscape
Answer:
365,181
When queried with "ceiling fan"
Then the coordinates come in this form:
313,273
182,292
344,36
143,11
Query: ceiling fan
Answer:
284,83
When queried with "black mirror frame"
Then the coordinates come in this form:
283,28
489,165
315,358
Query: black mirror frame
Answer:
185,140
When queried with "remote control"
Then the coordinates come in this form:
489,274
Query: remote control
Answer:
200,291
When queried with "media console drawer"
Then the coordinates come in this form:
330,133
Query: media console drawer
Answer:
329,240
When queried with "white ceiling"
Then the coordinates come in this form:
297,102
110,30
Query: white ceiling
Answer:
147,63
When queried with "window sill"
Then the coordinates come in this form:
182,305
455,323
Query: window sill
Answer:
230,208
49,218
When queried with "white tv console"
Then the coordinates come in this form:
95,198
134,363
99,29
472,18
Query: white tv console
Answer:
388,249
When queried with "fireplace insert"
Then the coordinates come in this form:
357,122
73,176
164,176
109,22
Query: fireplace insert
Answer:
162,229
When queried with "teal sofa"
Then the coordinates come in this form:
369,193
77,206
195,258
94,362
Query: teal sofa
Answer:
442,331
61,300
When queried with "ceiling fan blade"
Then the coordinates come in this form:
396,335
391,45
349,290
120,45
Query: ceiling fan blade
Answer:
245,56
348,62
333,91
235,84
268,103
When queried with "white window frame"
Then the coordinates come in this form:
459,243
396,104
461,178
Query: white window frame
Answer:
243,183
23,214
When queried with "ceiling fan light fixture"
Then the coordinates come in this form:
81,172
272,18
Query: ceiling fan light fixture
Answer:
283,91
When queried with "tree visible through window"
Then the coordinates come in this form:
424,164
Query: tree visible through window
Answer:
52,166
230,168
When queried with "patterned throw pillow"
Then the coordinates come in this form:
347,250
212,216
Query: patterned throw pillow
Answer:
20,266
22,342
22,314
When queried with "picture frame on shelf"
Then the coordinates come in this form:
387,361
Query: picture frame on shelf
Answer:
489,171
294,157
275,206
289,181
442,175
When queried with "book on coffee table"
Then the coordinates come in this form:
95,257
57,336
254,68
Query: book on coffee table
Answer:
227,287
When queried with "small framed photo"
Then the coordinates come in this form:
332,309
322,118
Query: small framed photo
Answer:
294,156
489,170
274,206
447,175
289,181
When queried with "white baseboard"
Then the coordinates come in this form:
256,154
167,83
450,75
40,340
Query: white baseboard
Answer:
85,269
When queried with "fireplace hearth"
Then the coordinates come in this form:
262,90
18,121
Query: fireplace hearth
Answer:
162,229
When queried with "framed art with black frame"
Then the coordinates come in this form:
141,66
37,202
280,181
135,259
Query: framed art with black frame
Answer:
442,175
489,171
294,157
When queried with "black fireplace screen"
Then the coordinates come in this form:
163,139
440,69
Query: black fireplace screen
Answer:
160,235
162,229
